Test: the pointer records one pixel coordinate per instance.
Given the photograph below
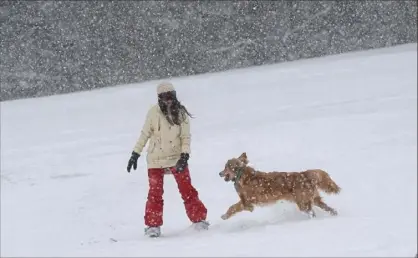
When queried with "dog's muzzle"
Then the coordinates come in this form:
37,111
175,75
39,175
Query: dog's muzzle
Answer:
226,177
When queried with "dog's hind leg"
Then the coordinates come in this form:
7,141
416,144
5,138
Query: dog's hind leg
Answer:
310,211
307,207
318,202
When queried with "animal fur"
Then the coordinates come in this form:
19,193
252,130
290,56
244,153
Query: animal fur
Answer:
256,188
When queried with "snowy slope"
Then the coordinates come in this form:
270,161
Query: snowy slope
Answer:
65,190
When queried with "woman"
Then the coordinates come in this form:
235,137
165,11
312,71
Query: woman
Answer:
167,126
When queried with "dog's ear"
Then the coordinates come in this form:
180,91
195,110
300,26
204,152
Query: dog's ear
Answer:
244,158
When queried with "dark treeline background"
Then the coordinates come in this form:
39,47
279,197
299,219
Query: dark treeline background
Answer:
50,47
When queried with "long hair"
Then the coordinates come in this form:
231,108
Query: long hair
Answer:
177,110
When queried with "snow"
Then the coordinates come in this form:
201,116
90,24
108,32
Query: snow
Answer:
65,190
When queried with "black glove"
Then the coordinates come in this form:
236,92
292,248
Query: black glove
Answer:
133,161
182,163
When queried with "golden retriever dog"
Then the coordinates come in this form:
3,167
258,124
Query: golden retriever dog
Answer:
256,188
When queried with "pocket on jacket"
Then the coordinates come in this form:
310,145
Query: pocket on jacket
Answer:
151,147
176,146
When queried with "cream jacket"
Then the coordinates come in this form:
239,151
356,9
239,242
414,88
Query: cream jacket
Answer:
166,141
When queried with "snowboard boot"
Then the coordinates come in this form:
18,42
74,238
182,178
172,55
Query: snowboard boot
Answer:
153,231
201,225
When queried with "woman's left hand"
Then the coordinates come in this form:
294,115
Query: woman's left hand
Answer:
182,163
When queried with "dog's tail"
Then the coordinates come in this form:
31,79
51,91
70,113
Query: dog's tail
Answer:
325,183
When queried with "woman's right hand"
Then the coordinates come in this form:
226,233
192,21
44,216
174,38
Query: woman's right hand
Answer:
133,161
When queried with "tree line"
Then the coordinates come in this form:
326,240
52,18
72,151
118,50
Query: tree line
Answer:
51,47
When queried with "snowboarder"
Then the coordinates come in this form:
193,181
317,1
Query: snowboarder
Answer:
167,126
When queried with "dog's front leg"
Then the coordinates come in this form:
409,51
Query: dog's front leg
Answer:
247,206
234,209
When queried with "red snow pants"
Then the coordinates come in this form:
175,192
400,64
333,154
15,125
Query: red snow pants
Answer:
195,209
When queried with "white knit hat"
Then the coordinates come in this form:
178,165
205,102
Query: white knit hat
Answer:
165,87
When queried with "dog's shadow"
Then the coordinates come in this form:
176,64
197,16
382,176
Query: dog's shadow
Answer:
280,213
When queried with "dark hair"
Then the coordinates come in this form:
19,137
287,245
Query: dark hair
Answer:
178,111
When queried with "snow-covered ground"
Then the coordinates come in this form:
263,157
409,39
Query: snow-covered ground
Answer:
65,190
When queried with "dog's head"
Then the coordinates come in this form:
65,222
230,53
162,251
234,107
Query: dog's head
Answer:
232,165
